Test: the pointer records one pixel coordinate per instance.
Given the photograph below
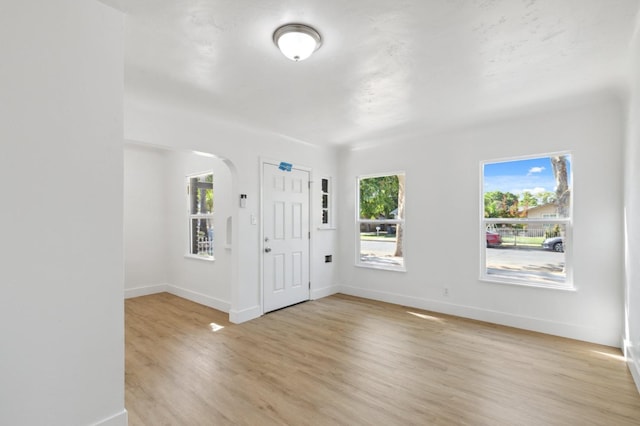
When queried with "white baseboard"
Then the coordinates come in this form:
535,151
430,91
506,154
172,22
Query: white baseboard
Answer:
200,298
244,315
145,290
119,419
194,296
572,331
633,361
324,292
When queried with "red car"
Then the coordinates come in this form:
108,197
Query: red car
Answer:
493,239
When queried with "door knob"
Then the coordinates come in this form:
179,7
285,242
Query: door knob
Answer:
267,249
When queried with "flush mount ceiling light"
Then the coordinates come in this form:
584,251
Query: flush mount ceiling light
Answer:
297,41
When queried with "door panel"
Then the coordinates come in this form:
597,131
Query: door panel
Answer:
278,273
296,265
278,220
296,221
286,237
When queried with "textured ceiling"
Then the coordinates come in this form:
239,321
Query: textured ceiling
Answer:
385,67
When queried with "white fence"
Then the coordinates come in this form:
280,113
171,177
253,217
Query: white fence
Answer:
205,245
512,232
536,230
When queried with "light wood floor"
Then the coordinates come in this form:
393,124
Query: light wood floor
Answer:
348,361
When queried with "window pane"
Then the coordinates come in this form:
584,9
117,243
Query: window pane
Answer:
530,251
380,245
202,236
530,188
201,194
379,198
325,185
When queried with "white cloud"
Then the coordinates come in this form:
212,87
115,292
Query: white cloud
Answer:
535,170
535,191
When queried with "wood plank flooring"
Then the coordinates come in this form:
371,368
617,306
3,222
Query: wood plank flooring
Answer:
348,361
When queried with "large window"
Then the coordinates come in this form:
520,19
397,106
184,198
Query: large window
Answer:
526,220
200,199
380,221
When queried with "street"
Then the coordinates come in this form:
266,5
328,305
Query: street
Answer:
378,247
532,264
520,263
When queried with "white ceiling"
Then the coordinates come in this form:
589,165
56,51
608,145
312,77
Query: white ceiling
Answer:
385,66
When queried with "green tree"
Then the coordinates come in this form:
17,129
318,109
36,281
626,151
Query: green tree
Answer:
209,193
546,197
500,204
399,227
378,196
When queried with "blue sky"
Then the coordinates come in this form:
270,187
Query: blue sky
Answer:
534,175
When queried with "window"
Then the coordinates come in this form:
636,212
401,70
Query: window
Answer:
526,221
325,190
200,198
380,222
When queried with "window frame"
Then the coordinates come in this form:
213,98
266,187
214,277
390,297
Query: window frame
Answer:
485,223
198,216
328,209
359,221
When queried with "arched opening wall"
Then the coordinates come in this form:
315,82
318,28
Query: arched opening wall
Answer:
156,226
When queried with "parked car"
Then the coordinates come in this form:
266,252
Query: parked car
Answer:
555,244
493,239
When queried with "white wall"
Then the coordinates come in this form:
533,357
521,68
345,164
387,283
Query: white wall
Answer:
632,216
170,124
61,310
156,226
442,220
206,282
145,220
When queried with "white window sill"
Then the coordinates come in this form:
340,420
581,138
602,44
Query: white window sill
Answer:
196,257
499,279
381,267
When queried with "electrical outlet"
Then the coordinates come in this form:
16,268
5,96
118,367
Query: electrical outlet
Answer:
446,291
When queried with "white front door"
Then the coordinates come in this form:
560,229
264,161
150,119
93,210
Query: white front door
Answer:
285,213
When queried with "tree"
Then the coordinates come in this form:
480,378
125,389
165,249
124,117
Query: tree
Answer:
378,196
528,200
399,228
563,193
547,197
500,204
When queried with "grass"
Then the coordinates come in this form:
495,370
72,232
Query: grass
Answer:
372,236
507,240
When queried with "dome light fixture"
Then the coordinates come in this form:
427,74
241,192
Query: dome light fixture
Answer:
297,41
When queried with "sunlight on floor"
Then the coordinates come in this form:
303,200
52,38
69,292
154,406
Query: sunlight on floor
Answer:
427,317
215,327
612,356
